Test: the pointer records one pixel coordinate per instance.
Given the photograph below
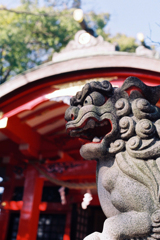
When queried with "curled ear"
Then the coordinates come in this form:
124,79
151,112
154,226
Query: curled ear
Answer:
105,88
152,94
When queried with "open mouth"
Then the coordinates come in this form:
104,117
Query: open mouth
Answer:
91,130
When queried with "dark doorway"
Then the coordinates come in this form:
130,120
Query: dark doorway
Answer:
51,226
96,219
85,222
13,226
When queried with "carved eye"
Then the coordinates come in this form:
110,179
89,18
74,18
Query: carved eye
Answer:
88,101
97,98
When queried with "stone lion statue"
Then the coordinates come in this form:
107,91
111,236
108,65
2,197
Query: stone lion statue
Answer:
121,130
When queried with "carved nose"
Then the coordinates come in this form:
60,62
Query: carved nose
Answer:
71,113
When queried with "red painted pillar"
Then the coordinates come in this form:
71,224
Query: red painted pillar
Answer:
66,235
29,215
6,197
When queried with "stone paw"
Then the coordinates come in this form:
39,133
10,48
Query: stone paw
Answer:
93,236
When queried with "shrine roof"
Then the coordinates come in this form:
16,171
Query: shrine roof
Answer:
33,103
80,62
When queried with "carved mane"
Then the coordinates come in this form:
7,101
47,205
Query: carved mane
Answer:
122,126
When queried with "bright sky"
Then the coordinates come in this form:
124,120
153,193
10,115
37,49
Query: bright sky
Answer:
127,16
130,16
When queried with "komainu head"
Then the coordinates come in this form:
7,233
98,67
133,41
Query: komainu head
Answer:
110,120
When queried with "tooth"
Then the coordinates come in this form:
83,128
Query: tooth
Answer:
85,127
74,133
91,123
96,139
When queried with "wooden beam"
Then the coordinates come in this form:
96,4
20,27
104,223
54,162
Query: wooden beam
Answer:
55,131
21,133
8,144
48,121
27,150
30,142
38,111
65,157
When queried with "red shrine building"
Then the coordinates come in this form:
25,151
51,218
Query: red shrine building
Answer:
43,177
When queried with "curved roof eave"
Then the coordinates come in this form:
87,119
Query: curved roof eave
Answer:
61,66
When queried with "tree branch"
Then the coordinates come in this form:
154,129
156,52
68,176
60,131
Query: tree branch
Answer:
30,13
5,77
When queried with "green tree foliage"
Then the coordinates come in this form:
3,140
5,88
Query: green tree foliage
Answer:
126,44
28,40
98,22
31,33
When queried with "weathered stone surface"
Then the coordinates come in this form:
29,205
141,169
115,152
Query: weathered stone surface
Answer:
122,129
85,44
